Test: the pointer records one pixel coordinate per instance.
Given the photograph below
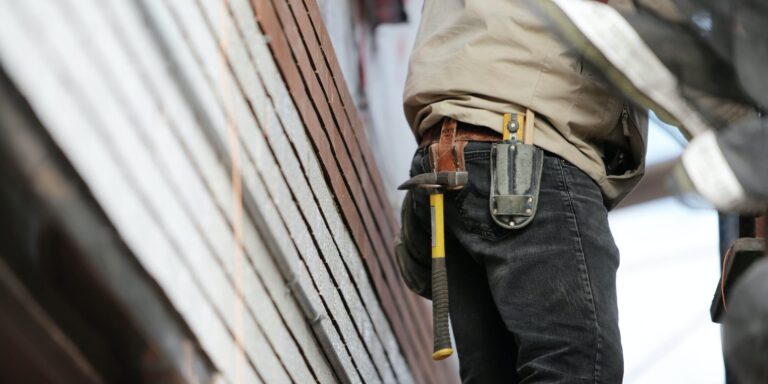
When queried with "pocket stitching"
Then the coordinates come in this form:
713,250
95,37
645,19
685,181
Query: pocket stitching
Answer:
490,231
582,264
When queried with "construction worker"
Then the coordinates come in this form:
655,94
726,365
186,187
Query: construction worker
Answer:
532,294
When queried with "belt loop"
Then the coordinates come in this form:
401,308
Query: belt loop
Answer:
529,117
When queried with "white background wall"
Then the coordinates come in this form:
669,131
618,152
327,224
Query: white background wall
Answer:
378,87
668,275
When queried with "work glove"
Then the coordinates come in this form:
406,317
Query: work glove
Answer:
697,73
726,168
412,248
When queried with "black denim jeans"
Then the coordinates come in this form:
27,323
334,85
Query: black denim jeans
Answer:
537,304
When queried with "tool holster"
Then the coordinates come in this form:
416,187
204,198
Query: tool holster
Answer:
447,154
516,166
513,202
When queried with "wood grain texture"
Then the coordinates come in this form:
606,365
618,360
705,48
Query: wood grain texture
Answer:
205,159
65,110
280,145
121,135
288,119
278,189
234,165
301,47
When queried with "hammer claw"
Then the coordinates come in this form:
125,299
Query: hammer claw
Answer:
437,180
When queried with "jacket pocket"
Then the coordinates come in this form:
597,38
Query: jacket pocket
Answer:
617,186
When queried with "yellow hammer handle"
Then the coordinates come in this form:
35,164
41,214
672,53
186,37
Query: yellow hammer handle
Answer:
440,312
436,204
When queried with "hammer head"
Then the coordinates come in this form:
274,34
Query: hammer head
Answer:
437,180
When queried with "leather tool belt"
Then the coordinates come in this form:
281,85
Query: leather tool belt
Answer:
516,164
463,132
447,140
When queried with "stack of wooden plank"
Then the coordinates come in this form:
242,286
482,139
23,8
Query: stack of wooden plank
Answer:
221,142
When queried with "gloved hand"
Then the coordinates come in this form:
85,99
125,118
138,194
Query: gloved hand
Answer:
412,248
727,168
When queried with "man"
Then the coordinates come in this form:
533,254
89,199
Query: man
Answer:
535,304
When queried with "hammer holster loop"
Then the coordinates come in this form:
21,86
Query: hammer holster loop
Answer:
447,154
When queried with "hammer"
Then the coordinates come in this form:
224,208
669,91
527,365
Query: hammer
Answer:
437,183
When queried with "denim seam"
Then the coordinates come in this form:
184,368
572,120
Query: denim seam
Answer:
477,155
568,200
424,162
490,232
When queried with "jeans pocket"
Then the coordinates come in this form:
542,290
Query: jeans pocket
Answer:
473,202
584,187
419,162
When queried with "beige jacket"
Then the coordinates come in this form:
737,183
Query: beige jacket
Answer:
474,60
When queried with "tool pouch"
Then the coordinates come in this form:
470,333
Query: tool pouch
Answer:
515,180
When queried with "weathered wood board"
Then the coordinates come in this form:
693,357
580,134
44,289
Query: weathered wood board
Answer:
221,142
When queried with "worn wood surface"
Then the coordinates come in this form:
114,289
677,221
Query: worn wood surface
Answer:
56,202
301,46
221,141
